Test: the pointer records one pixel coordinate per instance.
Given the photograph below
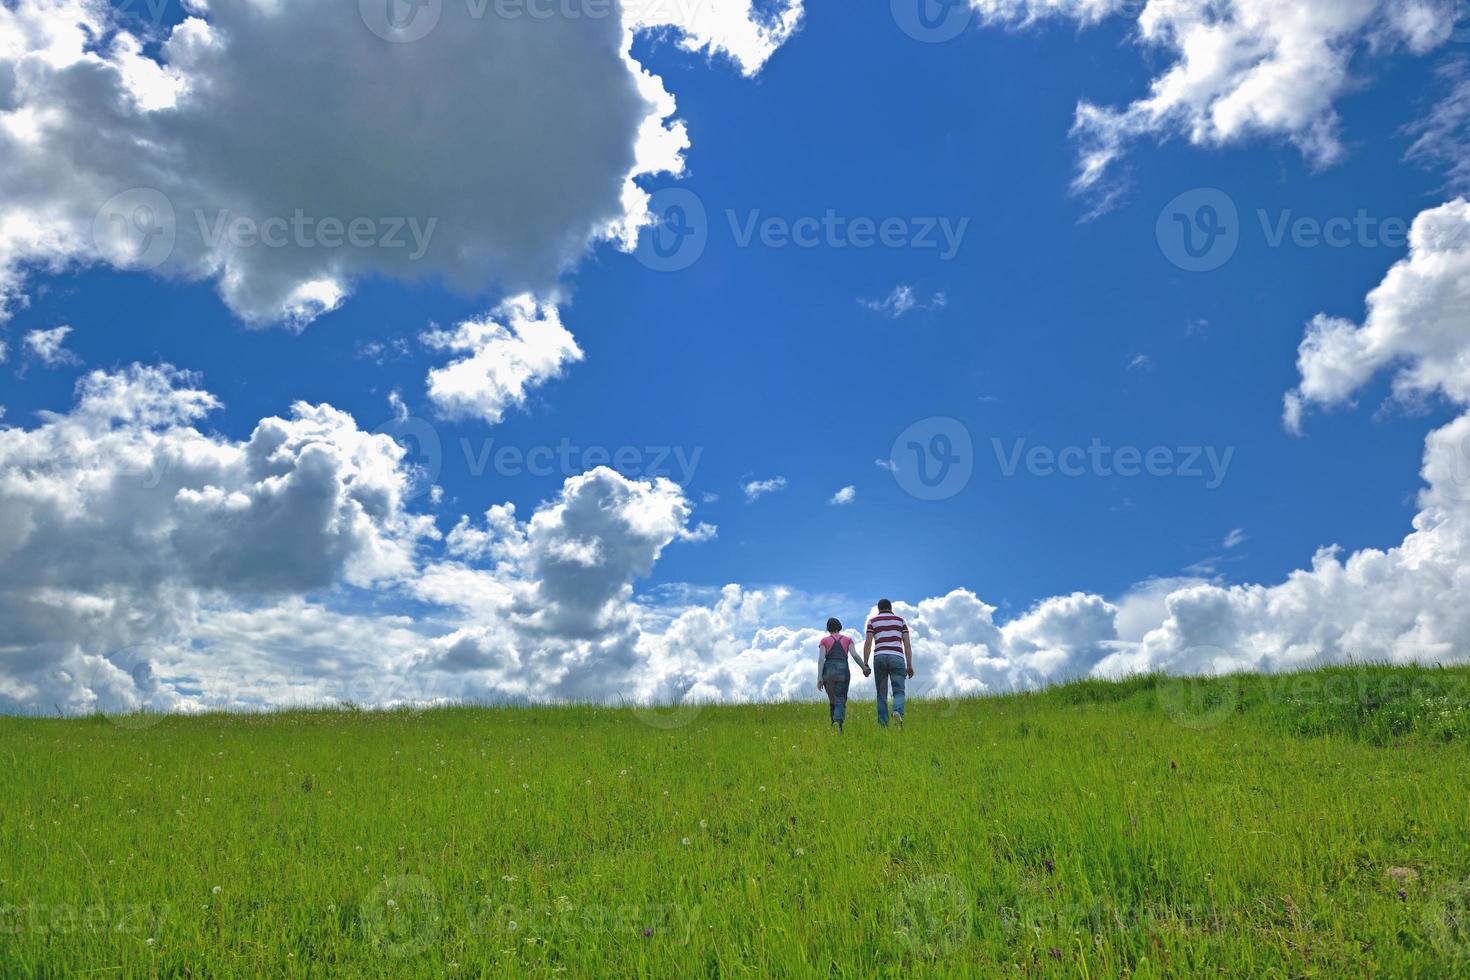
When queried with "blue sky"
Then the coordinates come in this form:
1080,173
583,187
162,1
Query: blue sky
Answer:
741,358
1058,321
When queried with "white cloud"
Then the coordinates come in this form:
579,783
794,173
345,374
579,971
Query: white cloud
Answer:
886,464
1237,69
1416,323
491,153
1235,538
48,346
756,489
120,520
520,345
1401,604
1140,362
902,301
1442,138
142,560
736,28
844,496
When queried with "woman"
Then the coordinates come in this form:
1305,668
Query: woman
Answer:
833,674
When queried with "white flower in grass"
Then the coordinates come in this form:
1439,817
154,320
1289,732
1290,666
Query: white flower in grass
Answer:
685,842
216,889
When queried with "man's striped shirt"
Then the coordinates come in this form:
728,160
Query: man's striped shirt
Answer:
887,631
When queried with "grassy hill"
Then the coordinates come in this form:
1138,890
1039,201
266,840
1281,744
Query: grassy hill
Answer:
1313,824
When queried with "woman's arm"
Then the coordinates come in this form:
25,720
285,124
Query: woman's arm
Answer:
821,657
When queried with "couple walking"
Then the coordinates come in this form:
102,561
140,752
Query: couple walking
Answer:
888,638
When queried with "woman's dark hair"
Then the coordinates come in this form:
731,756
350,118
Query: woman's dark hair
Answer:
834,625
885,606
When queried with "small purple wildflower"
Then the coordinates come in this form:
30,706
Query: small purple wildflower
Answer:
1402,895
1173,764
647,933
1049,866
1054,953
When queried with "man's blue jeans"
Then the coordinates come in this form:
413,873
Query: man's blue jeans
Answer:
889,668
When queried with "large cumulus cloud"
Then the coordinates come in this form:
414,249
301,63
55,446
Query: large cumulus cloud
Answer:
490,152
121,517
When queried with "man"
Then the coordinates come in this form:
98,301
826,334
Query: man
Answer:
888,638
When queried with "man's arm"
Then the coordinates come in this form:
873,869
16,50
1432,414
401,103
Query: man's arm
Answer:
867,650
908,653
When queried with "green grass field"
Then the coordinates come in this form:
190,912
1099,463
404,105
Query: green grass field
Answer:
1308,825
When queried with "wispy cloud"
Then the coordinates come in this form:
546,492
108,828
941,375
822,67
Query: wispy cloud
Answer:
1140,362
1442,138
1235,538
844,496
49,346
756,489
886,464
902,301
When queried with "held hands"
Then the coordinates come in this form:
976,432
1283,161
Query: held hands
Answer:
867,671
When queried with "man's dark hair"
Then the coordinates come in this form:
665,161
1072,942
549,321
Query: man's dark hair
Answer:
885,606
834,625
